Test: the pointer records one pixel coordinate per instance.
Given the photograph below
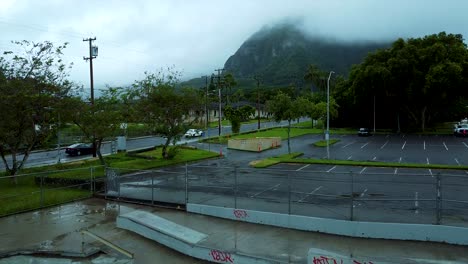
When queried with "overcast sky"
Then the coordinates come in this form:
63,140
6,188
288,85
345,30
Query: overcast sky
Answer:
199,36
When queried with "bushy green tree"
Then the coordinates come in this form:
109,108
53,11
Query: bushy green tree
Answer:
282,107
168,110
32,83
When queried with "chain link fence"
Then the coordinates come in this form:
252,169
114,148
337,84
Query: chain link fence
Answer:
25,192
398,198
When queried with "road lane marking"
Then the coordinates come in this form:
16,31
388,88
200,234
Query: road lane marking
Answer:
266,190
445,146
331,169
303,167
403,145
430,172
465,144
424,144
363,169
365,145
350,157
416,203
363,193
384,145
457,162
348,144
396,171
312,192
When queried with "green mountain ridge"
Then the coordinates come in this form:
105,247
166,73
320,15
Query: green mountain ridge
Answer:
282,54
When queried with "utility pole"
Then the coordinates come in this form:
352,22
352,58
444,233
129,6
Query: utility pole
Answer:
257,78
219,94
206,102
92,55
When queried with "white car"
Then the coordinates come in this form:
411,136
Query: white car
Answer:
193,133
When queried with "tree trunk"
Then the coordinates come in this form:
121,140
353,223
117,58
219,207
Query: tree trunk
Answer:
423,118
164,148
289,132
98,152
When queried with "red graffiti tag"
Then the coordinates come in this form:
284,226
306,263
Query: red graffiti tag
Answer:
240,213
221,256
326,260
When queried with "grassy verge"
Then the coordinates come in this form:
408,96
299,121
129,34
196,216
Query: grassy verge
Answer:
292,159
27,194
323,143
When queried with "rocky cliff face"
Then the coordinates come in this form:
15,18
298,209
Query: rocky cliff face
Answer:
282,53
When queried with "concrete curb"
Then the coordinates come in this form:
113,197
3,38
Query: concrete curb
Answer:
178,240
395,231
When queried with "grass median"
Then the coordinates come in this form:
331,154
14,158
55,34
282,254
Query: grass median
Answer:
43,186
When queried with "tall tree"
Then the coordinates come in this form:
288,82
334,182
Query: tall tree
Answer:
101,120
168,110
32,83
421,78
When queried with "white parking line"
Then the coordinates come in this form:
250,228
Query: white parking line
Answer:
312,192
416,203
350,157
303,167
427,161
399,161
266,190
396,171
348,144
445,146
384,145
457,162
331,169
430,172
365,145
387,136
363,169
403,145
374,158
424,144
363,193
465,144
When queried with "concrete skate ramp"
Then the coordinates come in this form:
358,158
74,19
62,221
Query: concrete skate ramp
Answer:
180,238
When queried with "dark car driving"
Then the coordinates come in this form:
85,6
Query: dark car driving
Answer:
79,149
364,132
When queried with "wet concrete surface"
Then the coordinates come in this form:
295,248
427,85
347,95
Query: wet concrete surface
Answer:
57,230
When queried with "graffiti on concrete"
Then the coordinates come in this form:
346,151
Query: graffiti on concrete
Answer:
220,256
240,213
330,260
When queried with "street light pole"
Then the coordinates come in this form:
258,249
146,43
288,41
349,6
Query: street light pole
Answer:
327,134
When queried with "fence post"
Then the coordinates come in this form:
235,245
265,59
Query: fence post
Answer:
289,193
186,184
438,200
92,188
235,187
152,189
42,191
351,211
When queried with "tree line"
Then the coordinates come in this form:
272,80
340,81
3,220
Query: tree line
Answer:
413,84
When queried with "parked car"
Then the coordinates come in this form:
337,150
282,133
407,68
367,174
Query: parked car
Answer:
364,132
194,133
461,131
79,149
